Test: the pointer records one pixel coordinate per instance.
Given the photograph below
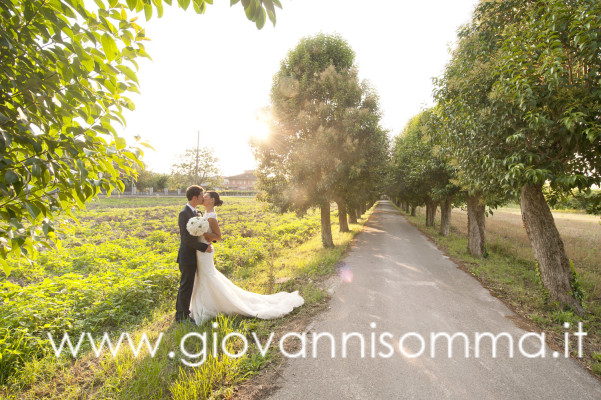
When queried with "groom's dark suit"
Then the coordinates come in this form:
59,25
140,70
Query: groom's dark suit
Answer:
186,258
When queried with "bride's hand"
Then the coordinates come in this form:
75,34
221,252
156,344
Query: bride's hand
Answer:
209,249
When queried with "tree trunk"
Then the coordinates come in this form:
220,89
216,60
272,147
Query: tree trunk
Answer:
430,211
445,216
352,215
326,226
549,251
342,218
413,208
476,237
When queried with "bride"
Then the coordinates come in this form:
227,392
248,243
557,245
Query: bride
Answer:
213,293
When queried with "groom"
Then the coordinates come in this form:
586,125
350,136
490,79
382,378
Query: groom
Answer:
186,256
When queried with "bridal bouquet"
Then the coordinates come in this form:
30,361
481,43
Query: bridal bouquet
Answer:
197,226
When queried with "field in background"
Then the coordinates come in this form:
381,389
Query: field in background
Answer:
510,269
581,234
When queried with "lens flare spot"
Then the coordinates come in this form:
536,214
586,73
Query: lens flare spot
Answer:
345,273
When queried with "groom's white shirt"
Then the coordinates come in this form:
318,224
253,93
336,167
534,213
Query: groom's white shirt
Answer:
191,208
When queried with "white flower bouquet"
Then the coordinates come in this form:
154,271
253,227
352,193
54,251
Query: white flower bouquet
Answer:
197,226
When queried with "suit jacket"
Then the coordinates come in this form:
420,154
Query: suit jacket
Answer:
188,244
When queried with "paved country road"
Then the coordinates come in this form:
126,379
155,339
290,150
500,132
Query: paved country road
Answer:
402,283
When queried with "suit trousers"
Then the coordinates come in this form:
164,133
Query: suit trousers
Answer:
184,293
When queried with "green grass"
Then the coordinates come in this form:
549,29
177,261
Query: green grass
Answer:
300,263
510,270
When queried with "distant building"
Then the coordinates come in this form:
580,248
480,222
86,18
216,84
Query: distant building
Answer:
245,181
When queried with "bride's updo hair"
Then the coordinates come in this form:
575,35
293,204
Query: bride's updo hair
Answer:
215,195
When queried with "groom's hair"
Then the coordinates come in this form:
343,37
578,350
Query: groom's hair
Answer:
192,191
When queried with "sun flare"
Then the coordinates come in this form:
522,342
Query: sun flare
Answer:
260,127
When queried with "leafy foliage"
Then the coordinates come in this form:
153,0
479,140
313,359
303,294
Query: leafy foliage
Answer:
549,75
325,142
67,70
521,97
421,171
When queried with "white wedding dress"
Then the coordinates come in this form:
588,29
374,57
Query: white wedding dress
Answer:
214,294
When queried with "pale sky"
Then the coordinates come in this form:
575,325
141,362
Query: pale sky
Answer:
212,72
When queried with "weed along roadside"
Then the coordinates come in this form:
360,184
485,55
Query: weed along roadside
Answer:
122,281
509,272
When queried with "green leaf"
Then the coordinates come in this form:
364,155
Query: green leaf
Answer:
128,72
232,2
261,19
147,11
33,210
184,4
120,143
199,6
251,9
270,10
131,4
5,267
159,5
109,46
11,177
271,16
88,64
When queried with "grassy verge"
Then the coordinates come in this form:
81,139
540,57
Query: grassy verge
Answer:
163,375
510,272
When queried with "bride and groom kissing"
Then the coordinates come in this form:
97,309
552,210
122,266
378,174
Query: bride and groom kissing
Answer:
204,292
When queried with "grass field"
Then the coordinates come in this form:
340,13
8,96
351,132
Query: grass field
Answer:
117,273
510,269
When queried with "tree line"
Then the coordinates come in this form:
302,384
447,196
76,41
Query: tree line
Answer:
517,118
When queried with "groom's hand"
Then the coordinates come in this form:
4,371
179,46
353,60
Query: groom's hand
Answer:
209,249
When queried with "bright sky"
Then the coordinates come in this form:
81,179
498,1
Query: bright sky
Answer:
212,72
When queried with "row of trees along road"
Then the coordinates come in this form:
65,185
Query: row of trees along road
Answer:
66,68
421,173
519,109
326,143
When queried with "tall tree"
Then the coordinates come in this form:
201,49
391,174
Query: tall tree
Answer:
321,116
66,69
466,116
550,64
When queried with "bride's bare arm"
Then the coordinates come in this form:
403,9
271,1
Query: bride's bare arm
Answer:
216,234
